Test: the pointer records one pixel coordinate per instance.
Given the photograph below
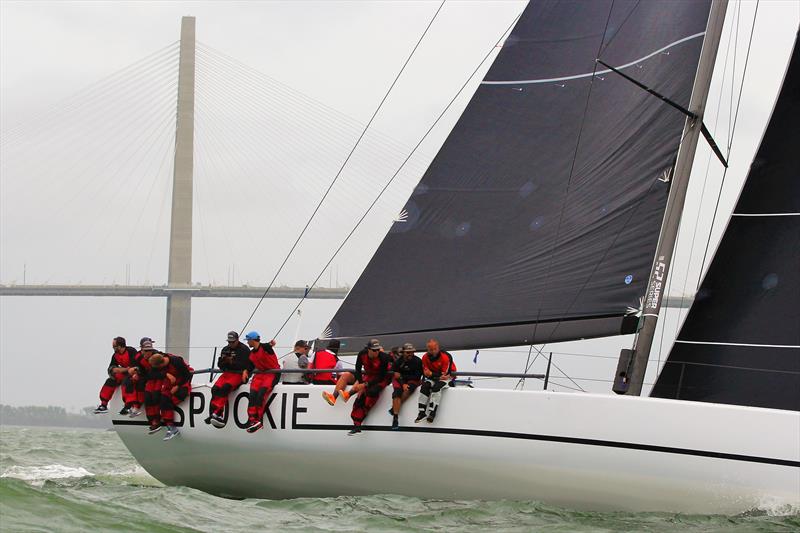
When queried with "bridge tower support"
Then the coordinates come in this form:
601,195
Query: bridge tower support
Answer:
179,302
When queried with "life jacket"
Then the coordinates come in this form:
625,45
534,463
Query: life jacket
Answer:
324,359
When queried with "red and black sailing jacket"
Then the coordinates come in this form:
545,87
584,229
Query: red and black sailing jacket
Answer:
176,367
441,365
125,359
372,370
264,358
142,364
235,359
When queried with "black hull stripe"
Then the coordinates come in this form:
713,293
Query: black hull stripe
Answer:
530,436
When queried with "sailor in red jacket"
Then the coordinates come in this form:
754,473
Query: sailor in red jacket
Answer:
372,369
262,357
436,368
122,360
139,376
152,387
174,377
234,361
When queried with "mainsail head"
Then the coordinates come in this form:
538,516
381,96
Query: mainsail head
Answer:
538,218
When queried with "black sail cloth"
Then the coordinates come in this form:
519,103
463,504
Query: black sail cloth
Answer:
538,219
740,343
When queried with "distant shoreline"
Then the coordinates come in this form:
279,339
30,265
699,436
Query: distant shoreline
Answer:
50,416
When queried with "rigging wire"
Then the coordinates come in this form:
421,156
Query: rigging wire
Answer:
730,143
699,209
336,177
386,186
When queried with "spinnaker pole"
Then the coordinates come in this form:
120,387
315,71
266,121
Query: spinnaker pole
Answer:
677,197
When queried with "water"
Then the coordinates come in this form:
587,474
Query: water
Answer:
85,480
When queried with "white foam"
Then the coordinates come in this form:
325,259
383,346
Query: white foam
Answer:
778,507
44,473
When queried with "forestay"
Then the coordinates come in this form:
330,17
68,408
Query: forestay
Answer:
740,343
538,219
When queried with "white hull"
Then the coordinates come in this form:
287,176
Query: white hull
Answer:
583,451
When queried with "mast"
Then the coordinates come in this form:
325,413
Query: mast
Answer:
179,301
677,196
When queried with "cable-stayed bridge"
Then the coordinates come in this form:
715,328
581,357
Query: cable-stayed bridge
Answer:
237,155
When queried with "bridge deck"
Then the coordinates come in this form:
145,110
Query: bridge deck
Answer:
198,291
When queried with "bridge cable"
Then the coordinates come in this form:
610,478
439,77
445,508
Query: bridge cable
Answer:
402,165
336,177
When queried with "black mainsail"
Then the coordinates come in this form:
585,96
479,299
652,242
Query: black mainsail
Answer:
538,219
740,343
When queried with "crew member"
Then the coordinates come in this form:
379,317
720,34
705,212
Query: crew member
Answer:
372,369
139,376
323,359
407,375
262,357
234,361
122,360
436,368
153,386
296,361
175,378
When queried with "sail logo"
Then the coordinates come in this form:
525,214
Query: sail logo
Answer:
656,284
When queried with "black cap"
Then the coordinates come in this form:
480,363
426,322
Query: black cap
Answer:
145,339
374,344
233,336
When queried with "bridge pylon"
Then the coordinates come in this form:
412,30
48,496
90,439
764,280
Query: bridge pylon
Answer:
179,305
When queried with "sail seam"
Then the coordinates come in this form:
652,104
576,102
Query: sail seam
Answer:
740,344
590,74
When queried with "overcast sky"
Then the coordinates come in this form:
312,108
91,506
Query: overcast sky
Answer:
85,185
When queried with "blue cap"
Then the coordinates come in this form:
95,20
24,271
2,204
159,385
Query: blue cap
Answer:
252,336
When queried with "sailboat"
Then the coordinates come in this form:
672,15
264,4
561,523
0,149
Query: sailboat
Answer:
545,217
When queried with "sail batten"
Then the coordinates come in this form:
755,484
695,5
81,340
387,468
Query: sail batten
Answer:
538,218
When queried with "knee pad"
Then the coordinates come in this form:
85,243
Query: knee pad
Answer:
425,389
110,382
439,385
397,393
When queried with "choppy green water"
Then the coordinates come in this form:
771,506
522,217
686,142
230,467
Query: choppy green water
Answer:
85,480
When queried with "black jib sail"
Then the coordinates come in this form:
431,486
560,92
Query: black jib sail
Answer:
740,343
538,219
